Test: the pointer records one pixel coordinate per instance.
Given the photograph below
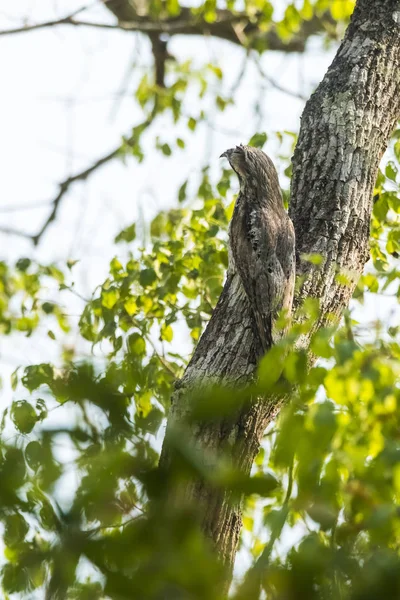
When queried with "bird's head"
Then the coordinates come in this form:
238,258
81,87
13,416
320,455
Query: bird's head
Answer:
237,159
250,163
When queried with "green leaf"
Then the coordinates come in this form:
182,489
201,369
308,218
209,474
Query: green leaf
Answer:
151,422
262,484
258,140
307,10
23,264
14,379
37,375
16,529
14,579
48,307
342,9
143,404
130,306
109,297
167,333
271,367
182,192
71,263
173,8
33,455
115,266
126,235
23,416
166,149
136,344
192,123
221,102
147,277
216,70
314,259
391,171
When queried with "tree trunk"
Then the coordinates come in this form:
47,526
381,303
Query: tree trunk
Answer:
345,129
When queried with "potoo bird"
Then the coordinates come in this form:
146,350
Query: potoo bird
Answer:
261,241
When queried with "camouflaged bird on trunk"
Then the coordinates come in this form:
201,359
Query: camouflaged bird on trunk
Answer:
261,241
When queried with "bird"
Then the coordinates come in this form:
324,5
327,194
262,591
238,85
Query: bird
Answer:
261,245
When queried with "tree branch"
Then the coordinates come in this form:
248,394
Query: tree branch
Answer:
12,231
235,28
69,19
83,175
160,53
21,207
66,184
274,84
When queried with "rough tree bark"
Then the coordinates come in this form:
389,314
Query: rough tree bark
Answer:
345,129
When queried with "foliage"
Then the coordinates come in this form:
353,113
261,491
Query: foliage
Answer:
22,288
83,507
327,475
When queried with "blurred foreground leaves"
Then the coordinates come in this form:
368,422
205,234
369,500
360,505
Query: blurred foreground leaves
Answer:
84,506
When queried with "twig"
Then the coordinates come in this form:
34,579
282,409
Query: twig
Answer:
155,27
235,28
290,484
240,75
68,19
12,231
162,360
19,207
276,85
101,527
124,84
65,185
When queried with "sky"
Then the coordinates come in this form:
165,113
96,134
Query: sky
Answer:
67,100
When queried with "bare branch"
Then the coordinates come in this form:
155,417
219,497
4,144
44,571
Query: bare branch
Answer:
83,175
18,232
241,74
275,84
66,184
68,19
146,26
162,359
19,207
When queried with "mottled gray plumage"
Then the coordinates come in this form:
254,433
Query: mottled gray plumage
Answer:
261,240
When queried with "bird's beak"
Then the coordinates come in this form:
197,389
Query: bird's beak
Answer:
224,154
